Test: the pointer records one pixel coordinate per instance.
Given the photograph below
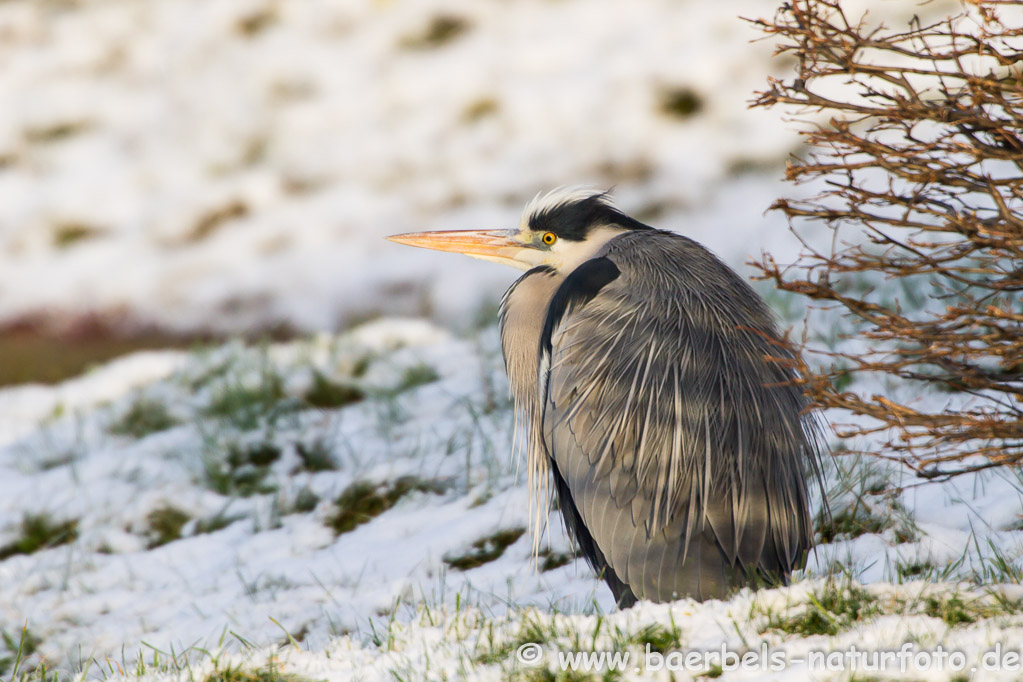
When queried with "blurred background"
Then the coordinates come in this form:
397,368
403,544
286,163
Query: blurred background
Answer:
174,170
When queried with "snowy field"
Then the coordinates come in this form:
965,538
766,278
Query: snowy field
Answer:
349,505
348,508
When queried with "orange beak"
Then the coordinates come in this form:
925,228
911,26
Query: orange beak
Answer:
499,246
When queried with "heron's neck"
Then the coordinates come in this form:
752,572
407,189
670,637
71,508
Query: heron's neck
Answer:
523,312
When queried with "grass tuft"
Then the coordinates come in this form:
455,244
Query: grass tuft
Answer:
164,525
849,523
214,219
325,393
38,532
552,560
860,519
531,631
305,501
256,22
953,611
478,110
270,673
216,522
915,569
485,549
862,501
713,672
658,637
69,234
363,501
316,456
237,469
956,610
144,417
442,29
416,376
681,102
247,405
56,132
829,611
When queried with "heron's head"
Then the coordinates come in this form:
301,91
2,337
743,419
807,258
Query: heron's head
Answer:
560,229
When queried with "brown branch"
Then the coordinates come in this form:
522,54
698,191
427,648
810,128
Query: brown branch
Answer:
922,150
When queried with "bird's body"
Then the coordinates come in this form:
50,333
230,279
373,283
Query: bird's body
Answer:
658,403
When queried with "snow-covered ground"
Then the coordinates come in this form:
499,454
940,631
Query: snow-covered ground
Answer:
359,494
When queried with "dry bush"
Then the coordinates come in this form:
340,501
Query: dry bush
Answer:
916,172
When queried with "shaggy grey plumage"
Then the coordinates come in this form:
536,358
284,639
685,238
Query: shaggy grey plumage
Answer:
678,452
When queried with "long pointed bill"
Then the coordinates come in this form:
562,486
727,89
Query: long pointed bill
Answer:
493,245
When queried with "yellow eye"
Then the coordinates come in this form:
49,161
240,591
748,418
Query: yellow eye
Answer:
549,238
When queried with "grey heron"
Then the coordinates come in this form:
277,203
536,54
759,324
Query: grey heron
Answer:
677,444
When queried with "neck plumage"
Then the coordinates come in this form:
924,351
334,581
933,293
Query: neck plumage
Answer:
523,312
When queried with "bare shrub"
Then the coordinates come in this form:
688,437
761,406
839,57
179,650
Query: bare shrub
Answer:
916,172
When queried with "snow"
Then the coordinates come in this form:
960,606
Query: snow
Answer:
107,590
22,407
274,567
